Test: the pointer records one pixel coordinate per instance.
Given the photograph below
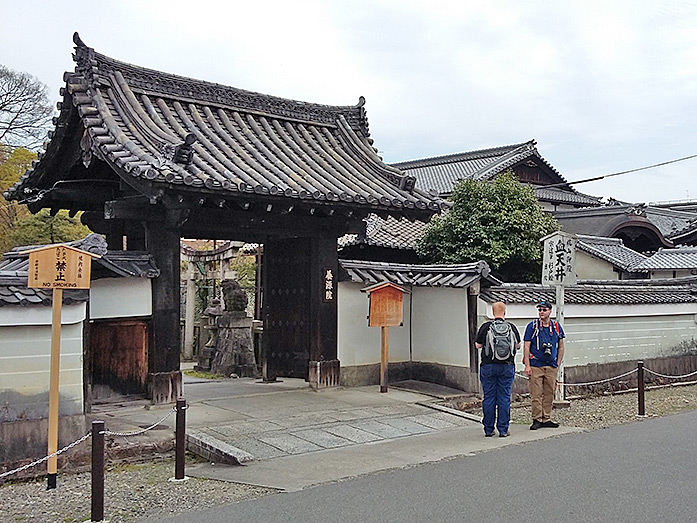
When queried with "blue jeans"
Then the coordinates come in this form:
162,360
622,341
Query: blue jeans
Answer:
497,381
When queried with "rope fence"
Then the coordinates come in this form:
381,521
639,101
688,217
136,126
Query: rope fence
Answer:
641,386
97,433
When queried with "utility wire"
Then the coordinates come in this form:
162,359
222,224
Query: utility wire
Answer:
596,178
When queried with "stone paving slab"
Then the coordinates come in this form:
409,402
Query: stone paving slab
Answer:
289,444
380,429
259,449
353,434
406,425
323,438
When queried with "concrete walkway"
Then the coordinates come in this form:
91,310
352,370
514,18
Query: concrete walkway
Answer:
289,437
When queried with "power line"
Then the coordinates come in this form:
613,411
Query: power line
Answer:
596,178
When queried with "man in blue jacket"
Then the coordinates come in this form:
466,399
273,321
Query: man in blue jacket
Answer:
543,351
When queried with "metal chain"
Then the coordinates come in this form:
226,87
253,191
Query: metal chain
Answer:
46,458
137,432
590,382
671,377
600,381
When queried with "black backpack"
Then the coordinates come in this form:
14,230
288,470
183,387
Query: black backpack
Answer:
500,341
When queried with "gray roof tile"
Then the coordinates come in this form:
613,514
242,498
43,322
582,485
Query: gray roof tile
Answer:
441,173
460,275
623,292
390,233
244,143
681,258
611,250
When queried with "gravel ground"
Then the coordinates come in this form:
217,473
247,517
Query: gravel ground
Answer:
131,492
134,492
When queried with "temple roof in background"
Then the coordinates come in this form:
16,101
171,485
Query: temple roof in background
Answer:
440,173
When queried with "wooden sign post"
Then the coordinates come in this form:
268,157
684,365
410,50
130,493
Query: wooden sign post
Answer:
57,267
385,311
559,269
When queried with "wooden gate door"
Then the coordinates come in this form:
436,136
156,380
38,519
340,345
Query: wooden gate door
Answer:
286,307
119,356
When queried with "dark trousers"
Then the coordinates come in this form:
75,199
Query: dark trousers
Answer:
497,381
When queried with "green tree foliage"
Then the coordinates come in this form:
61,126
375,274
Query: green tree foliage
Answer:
13,164
499,222
42,228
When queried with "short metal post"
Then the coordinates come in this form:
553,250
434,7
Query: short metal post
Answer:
180,447
640,388
97,470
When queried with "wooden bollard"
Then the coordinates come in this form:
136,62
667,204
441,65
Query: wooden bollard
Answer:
97,470
180,446
640,388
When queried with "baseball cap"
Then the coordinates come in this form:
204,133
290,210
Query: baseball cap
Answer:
544,303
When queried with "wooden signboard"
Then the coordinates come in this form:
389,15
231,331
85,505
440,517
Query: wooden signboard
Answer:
385,310
385,305
57,267
60,267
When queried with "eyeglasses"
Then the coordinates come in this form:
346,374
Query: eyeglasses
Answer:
543,309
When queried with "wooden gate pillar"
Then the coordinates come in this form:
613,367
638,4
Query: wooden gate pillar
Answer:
164,376
324,365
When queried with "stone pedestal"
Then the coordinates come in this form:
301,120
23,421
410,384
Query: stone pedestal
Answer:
234,352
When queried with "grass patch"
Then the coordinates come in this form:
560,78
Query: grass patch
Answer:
203,374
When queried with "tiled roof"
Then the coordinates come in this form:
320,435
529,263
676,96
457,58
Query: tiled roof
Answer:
14,272
607,220
440,173
670,259
390,233
612,250
671,222
557,195
460,276
629,292
176,132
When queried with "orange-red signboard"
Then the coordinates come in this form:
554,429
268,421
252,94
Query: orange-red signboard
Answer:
60,267
385,305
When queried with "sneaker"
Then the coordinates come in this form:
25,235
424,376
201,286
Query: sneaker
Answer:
549,424
504,434
535,425
488,434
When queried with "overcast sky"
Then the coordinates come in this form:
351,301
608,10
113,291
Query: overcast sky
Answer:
603,86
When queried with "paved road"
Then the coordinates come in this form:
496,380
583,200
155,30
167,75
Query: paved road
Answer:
644,471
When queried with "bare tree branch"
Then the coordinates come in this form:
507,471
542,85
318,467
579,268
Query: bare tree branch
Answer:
25,112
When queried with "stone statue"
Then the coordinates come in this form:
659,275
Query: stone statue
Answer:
234,297
234,353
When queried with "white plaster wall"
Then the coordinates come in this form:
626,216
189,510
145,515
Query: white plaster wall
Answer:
440,326
591,268
25,356
611,333
120,298
359,344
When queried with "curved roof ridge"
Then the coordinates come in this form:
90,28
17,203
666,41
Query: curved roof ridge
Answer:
456,157
94,65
